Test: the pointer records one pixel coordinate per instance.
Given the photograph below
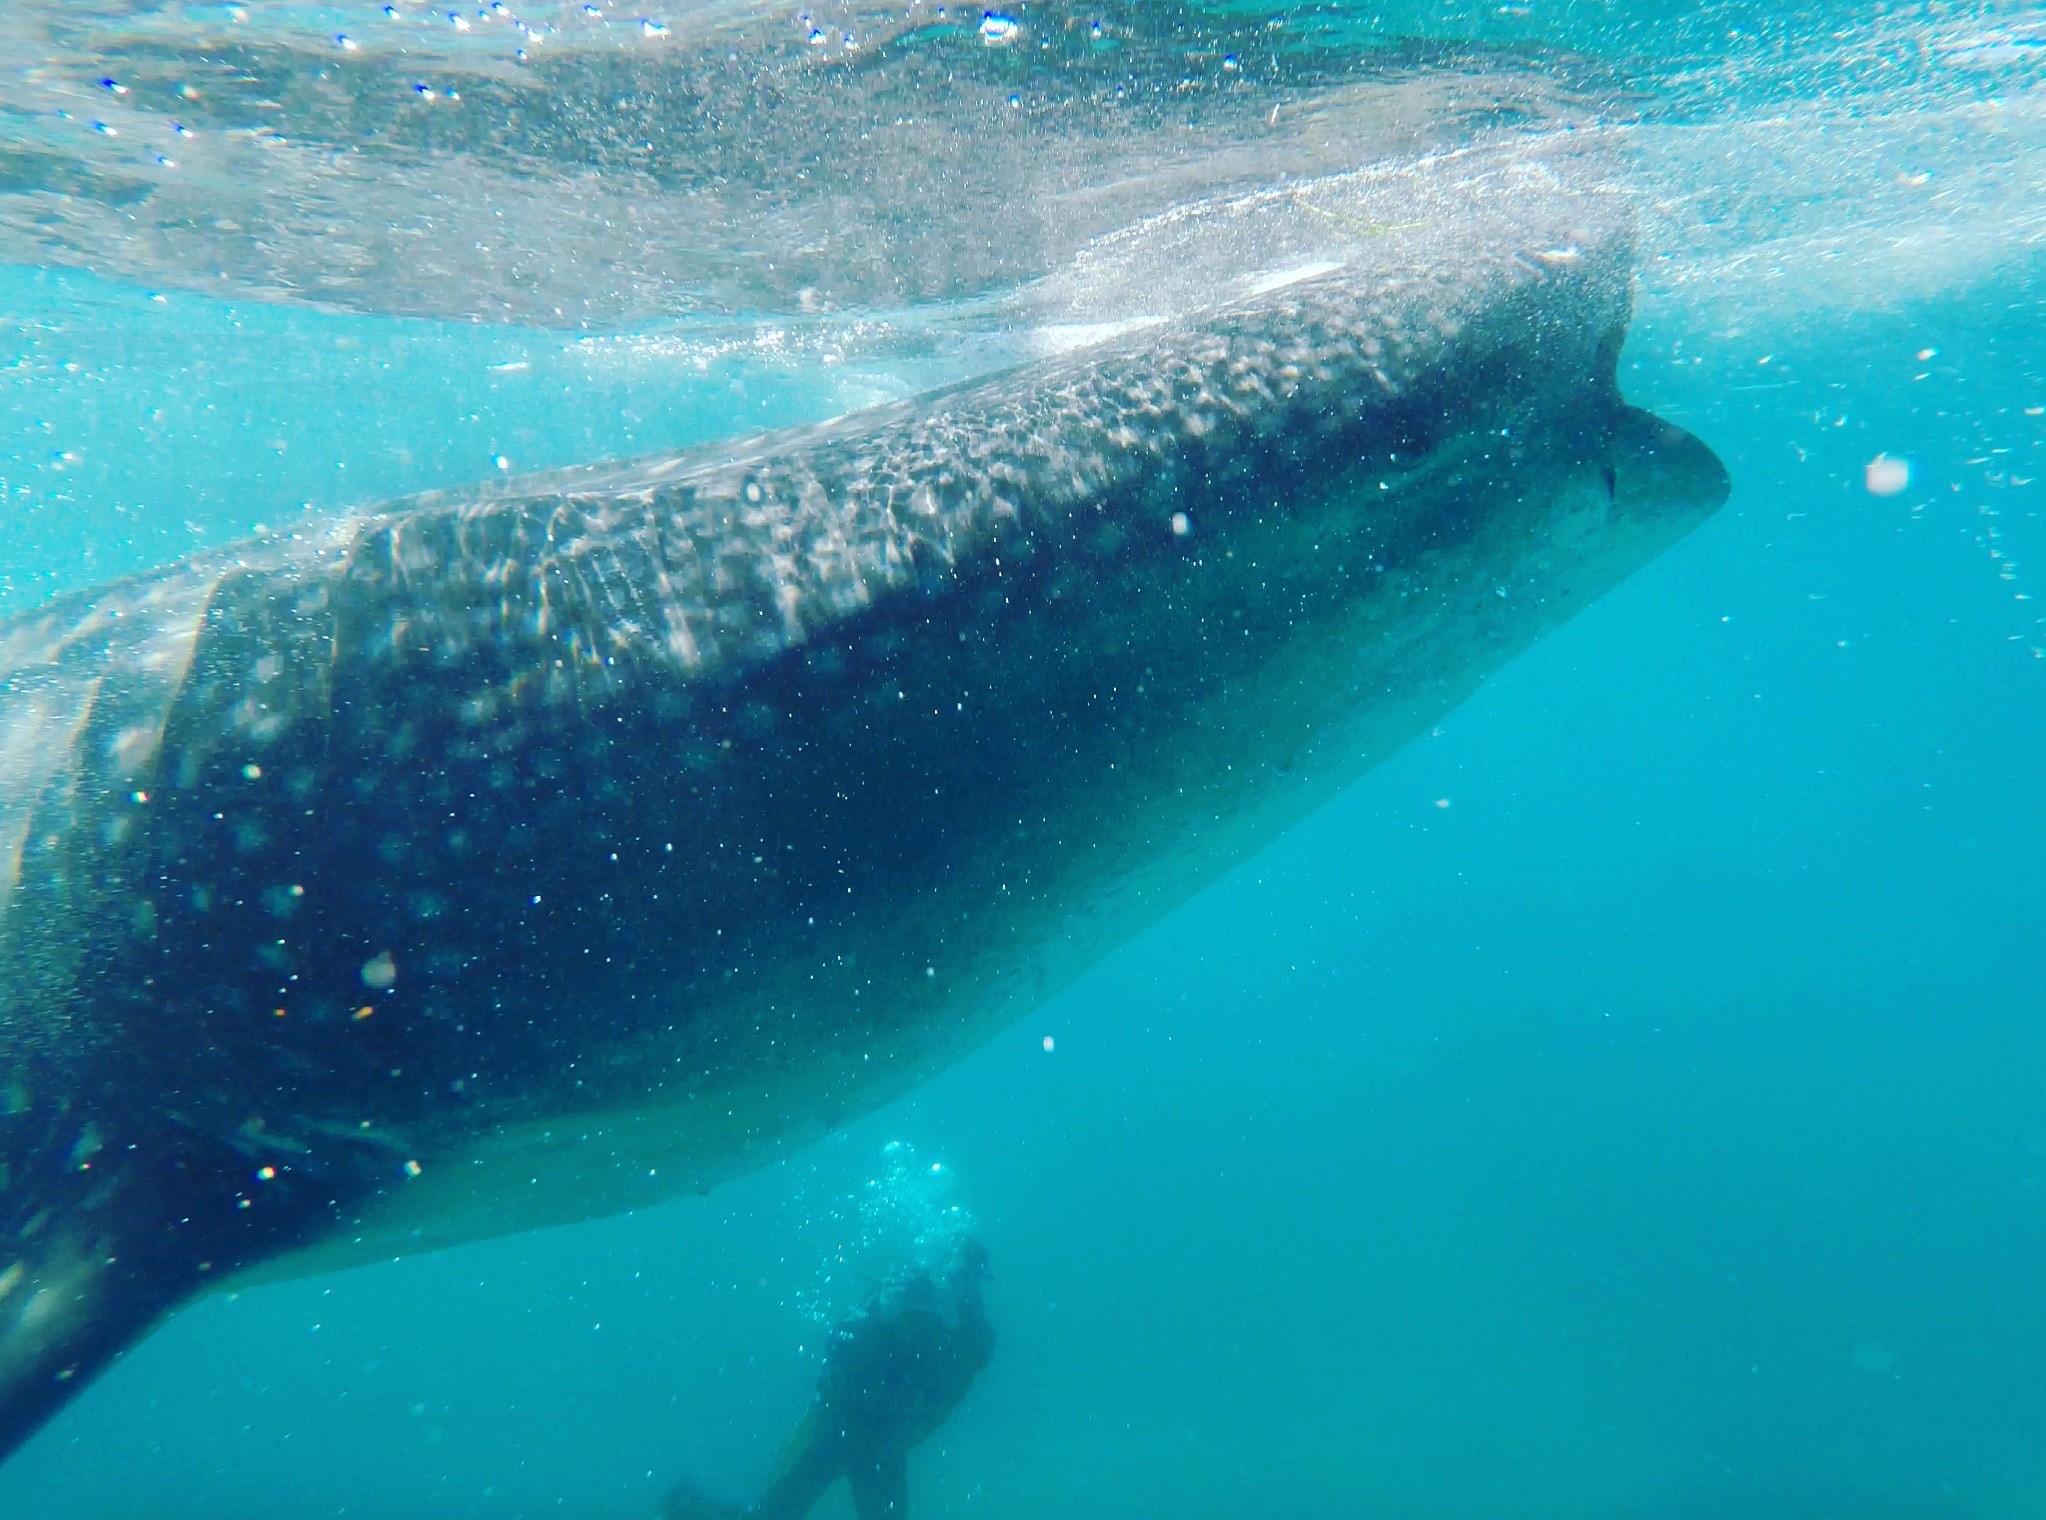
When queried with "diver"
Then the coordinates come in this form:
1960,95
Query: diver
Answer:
894,1370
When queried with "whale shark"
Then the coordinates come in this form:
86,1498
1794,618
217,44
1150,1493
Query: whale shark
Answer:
517,854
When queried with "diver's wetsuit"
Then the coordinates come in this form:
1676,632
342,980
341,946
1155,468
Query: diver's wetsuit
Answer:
894,1372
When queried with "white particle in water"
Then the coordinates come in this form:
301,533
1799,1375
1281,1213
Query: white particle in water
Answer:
1886,475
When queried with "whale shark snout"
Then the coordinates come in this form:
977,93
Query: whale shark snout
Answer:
509,856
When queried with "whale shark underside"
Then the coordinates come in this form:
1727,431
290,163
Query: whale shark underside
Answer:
514,855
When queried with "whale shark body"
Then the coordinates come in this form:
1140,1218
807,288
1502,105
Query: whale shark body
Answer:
514,855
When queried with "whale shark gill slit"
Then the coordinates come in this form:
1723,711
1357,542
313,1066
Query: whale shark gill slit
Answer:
513,855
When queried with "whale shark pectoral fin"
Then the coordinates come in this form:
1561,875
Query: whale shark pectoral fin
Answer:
106,1227
69,1305
112,1216
1657,470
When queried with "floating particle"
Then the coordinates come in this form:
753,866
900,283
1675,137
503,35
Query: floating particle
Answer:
1049,1045
1886,475
1181,525
379,971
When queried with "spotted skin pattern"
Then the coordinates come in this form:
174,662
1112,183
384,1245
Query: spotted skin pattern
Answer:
515,854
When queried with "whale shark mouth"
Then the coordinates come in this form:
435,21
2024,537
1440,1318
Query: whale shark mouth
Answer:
515,854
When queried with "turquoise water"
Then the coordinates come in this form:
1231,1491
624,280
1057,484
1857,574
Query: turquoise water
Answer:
1625,1102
